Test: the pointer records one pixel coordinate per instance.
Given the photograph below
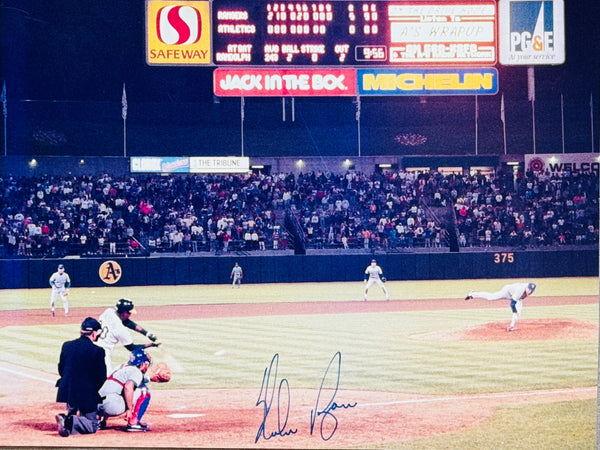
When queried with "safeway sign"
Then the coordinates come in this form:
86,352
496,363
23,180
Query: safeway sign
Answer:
284,82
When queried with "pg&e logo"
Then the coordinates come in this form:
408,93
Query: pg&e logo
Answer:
531,32
178,32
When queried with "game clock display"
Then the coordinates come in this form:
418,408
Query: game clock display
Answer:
353,33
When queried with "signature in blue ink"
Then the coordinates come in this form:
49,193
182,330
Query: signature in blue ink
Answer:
265,399
329,421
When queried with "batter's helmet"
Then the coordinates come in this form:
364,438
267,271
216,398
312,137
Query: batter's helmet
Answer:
138,357
125,305
60,266
90,325
531,286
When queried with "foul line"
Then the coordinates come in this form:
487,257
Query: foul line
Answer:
24,375
480,397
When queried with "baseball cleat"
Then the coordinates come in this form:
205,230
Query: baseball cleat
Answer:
469,296
52,313
138,427
60,421
510,328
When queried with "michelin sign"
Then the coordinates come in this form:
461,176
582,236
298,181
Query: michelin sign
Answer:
531,32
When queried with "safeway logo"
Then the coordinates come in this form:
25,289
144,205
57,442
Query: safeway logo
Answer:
284,82
178,32
179,25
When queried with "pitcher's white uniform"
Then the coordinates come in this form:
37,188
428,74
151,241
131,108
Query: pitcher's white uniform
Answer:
373,274
515,292
60,282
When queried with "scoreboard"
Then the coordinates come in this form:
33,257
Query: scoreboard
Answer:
354,33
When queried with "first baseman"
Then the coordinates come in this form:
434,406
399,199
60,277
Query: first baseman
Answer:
374,274
116,324
514,292
60,283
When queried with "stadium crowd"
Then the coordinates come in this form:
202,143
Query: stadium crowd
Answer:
94,215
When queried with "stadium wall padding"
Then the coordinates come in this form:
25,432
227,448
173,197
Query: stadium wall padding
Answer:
185,270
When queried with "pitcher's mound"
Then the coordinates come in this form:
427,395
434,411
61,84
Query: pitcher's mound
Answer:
527,330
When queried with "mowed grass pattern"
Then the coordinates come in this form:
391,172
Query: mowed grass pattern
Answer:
380,351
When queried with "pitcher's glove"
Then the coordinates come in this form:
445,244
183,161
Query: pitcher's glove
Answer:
159,373
384,279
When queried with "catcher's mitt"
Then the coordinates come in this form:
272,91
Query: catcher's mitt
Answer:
159,373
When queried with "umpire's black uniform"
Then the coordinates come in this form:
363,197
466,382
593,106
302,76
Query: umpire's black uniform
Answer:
83,371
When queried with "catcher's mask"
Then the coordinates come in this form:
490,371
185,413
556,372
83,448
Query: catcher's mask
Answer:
139,357
125,305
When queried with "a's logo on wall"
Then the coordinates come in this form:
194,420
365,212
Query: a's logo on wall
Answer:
178,33
536,165
110,272
179,25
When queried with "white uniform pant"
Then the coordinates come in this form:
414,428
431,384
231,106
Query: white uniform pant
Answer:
56,292
114,404
372,281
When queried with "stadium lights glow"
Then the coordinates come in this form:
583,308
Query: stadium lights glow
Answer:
385,166
257,166
33,163
347,163
553,159
512,163
300,164
82,162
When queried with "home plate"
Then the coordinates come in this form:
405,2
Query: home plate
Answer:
184,416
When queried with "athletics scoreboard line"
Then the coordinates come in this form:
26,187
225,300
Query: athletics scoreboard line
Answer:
294,48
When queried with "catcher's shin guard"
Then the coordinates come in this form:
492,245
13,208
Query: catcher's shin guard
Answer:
140,405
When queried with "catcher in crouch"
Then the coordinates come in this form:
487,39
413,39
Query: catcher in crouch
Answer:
514,292
125,391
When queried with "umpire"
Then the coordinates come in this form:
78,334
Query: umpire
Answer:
83,371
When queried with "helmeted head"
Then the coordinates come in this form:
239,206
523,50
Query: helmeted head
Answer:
138,357
373,262
61,267
125,305
531,287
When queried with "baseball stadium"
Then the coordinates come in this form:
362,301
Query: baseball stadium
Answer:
337,225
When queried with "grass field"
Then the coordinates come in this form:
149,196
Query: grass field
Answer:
379,351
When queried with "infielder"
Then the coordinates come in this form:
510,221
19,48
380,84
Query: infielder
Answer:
125,391
514,292
60,283
116,323
374,274
236,275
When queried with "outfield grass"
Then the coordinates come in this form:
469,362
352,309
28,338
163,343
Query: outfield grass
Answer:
379,350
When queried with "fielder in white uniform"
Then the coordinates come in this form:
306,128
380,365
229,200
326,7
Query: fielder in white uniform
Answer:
236,275
125,391
374,274
60,283
116,324
515,292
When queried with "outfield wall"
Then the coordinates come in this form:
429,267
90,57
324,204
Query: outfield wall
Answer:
142,271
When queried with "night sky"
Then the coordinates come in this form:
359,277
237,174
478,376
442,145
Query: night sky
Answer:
85,50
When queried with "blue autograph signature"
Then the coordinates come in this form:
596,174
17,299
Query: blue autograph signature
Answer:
279,417
329,420
265,398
